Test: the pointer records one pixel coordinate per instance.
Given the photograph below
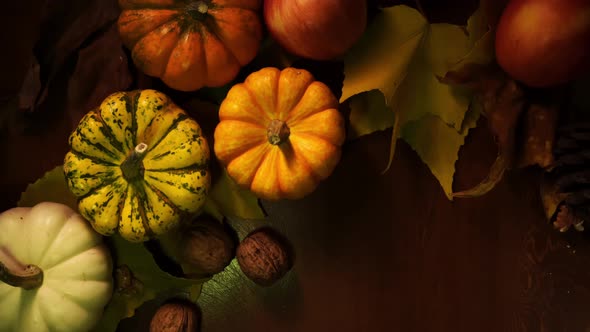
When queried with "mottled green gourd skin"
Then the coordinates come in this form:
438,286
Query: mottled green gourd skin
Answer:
138,165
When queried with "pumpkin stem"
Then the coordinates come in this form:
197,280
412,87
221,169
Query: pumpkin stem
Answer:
202,7
17,274
278,132
198,10
132,167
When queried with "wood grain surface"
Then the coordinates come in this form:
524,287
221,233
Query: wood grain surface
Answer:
374,252
390,253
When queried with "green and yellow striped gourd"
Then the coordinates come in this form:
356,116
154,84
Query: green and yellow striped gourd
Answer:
139,165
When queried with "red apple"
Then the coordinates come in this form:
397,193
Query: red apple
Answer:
316,29
544,42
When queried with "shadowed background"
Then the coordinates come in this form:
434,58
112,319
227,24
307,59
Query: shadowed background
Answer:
374,252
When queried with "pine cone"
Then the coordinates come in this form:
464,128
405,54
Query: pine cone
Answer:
565,219
572,174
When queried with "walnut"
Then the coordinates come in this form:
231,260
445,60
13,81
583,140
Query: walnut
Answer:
264,256
176,315
208,246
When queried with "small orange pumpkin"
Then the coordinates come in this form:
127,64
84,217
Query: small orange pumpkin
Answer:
190,44
280,133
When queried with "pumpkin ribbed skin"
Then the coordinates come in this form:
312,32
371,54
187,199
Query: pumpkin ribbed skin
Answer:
191,43
147,198
300,157
77,270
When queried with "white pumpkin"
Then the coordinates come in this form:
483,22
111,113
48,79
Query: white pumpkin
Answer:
76,280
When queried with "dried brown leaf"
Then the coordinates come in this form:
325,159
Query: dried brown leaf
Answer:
539,130
502,101
503,107
550,196
31,88
495,174
20,25
473,75
66,26
565,219
102,69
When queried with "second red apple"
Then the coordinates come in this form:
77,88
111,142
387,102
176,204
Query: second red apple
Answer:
544,43
316,29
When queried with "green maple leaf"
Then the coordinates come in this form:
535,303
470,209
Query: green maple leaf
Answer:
51,187
369,113
392,79
226,198
149,281
402,55
231,293
438,144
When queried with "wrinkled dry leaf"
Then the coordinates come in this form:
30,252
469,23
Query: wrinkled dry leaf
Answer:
101,70
556,212
31,88
20,26
502,101
550,196
67,25
538,132
503,108
495,174
565,219
10,118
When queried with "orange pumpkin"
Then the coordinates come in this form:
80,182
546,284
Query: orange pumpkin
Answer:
191,44
280,133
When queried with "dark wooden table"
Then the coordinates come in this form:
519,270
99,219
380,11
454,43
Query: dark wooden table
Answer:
374,252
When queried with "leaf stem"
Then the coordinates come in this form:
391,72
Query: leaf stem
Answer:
394,137
17,274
